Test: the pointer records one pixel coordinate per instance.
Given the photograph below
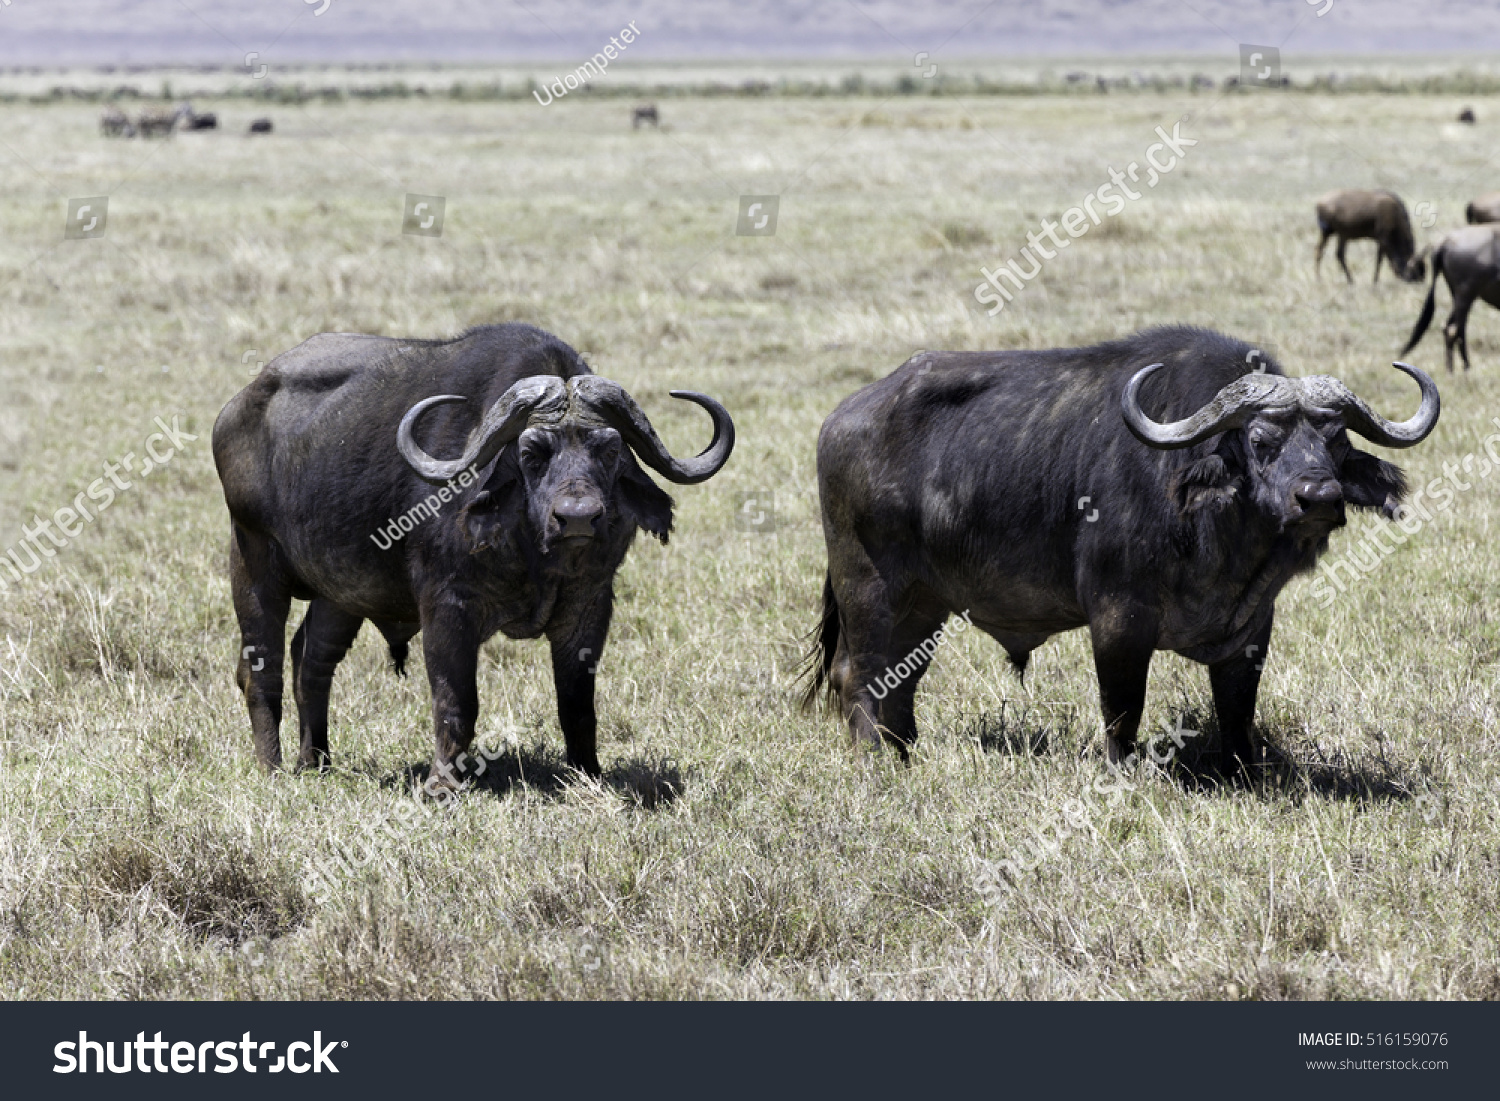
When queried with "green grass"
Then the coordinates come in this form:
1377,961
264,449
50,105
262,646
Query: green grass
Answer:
737,848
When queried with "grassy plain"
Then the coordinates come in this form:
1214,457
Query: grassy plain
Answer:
737,847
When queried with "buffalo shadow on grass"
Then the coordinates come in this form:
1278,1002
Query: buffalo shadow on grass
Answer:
1197,767
648,782
1286,771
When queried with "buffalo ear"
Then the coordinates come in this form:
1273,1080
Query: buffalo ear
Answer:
490,509
477,518
642,500
1207,484
1369,482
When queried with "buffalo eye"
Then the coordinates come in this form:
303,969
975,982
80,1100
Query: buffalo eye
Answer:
534,459
609,452
1335,439
1264,441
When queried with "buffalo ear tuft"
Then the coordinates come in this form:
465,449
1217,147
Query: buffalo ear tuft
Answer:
643,501
1207,484
481,516
1369,482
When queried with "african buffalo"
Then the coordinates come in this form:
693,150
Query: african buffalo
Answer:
1152,489
1350,215
326,462
1486,208
1469,261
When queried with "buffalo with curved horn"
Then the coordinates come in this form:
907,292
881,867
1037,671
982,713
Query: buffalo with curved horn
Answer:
335,497
1149,489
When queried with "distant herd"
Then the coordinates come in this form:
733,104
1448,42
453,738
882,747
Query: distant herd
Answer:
1159,490
157,122
1468,259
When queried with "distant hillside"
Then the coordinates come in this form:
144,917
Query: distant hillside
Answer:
94,32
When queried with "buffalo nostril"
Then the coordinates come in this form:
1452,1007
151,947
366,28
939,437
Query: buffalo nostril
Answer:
576,515
1310,493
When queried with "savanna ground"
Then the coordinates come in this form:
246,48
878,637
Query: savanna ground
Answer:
737,848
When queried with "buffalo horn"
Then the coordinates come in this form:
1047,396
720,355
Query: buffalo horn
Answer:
1359,417
1230,408
503,422
609,401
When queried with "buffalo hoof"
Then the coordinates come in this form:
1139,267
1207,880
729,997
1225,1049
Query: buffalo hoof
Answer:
588,766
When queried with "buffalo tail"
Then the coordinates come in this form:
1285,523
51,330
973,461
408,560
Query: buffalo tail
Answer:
825,641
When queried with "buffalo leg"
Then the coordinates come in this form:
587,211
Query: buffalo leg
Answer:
1379,256
1318,255
898,720
1236,684
574,662
1123,644
1455,331
450,647
1339,253
262,597
866,625
318,646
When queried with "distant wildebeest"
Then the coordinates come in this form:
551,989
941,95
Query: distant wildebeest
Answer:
260,126
1152,489
1352,214
1466,115
206,121
1469,261
326,462
114,123
1486,208
161,123
644,114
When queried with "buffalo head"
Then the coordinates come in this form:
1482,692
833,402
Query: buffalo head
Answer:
1285,447
570,475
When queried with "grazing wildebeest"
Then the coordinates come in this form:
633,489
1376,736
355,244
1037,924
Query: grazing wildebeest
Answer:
162,123
645,114
1469,261
260,126
326,466
1486,208
114,123
1466,115
206,121
1149,489
1351,214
